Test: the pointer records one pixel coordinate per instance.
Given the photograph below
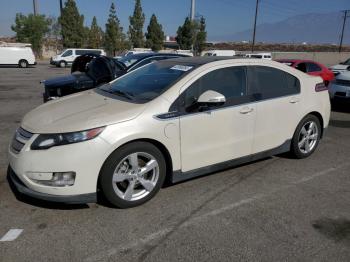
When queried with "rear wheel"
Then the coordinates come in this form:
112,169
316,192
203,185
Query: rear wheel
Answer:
306,137
23,63
133,174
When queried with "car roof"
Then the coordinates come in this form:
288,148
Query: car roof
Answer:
201,60
298,61
146,55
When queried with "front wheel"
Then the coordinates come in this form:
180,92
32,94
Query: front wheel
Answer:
306,137
132,174
62,64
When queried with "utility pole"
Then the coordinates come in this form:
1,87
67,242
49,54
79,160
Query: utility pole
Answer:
61,6
342,32
192,9
256,17
35,5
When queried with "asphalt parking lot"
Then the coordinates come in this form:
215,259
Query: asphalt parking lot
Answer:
277,209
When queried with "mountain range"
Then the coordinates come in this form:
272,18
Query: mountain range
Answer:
311,28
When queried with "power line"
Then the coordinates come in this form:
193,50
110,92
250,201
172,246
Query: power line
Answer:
343,28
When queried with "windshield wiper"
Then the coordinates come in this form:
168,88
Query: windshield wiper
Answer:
127,95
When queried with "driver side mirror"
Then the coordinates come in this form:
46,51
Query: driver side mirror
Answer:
211,98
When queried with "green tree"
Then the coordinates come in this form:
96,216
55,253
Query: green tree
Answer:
114,36
201,36
95,35
186,34
32,29
136,25
154,35
72,25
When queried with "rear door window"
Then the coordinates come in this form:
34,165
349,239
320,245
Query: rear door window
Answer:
311,67
267,82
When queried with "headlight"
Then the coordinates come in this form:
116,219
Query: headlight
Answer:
47,141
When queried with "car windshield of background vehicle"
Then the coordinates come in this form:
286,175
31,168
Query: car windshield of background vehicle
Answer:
128,60
148,82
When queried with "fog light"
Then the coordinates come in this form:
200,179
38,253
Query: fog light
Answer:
59,179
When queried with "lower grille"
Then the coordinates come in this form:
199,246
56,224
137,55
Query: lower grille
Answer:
340,94
20,139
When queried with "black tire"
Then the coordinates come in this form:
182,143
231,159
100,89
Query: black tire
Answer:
296,151
62,64
108,168
23,63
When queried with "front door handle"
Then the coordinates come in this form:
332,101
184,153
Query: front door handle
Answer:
246,110
294,100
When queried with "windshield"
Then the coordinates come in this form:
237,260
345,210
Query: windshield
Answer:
347,62
148,82
129,60
61,52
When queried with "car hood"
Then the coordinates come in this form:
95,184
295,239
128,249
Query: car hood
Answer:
344,76
339,67
80,111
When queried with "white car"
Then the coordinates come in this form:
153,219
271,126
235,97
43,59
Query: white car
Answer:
219,53
67,56
340,87
341,68
175,119
16,54
266,56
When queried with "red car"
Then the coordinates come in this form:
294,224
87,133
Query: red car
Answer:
311,68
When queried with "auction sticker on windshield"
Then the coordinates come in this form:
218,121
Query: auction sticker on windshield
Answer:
182,68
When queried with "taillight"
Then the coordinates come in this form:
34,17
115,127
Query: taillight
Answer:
321,87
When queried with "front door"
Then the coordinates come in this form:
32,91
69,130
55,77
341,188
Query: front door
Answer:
221,133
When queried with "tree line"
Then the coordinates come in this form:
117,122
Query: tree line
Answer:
70,30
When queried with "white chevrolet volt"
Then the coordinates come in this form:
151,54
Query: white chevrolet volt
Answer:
174,119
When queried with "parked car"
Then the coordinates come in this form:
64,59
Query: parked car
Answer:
16,54
219,53
266,56
177,118
90,70
67,56
310,67
340,88
340,68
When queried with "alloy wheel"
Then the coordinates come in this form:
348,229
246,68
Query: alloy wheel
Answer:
308,137
135,176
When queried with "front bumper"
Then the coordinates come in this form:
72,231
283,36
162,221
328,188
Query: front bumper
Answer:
85,159
337,91
66,199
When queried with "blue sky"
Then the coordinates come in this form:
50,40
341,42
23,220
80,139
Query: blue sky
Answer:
222,16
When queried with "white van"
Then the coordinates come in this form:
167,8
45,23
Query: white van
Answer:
220,53
16,54
266,56
67,56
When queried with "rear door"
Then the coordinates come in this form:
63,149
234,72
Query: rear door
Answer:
278,96
220,133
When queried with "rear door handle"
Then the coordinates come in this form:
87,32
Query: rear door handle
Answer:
294,100
246,110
